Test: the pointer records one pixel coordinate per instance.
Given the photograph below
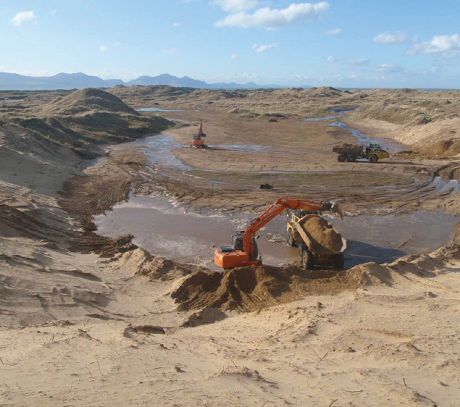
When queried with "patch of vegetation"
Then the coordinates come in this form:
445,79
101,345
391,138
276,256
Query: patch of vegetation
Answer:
86,119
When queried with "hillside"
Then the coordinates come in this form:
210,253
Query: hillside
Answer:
83,101
83,120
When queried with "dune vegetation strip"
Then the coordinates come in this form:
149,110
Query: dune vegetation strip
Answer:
84,120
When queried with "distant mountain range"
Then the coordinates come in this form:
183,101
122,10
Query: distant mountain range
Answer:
12,81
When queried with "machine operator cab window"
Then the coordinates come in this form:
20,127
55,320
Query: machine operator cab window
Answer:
374,147
300,214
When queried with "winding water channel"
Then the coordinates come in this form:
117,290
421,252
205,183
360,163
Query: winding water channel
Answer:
392,146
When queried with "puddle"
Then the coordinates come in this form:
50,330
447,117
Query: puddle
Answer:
438,186
167,230
240,147
451,185
385,238
317,119
158,150
391,146
155,109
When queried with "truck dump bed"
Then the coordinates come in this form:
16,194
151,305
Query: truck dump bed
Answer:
348,148
332,243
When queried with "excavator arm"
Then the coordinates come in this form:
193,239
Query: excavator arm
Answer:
272,212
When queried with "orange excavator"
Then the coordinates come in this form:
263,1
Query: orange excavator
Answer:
244,251
198,139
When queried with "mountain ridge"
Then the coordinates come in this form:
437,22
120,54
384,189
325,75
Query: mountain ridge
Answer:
79,80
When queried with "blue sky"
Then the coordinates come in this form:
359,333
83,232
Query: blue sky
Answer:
348,43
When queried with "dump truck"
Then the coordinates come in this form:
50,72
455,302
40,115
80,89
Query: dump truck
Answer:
351,152
326,250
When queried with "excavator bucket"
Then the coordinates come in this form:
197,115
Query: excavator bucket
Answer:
336,210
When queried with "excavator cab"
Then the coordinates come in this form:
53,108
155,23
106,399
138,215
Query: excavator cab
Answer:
229,257
238,241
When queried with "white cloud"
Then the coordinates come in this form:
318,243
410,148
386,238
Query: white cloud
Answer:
116,44
169,51
332,59
234,56
299,77
360,61
248,76
254,46
263,48
390,68
451,54
53,12
389,39
23,16
337,31
235,6
438,44
175,25
275,18
102,48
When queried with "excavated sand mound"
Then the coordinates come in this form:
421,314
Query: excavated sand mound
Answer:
253,288
324,237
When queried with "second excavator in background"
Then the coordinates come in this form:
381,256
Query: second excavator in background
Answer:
244,250
198,139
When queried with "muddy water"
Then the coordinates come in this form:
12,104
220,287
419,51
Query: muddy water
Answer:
159,148
154,109
240,147
165,230
169,231
385,238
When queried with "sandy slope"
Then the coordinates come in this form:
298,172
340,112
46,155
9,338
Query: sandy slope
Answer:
393,342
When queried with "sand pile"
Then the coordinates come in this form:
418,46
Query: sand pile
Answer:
253,288
324,237
448,148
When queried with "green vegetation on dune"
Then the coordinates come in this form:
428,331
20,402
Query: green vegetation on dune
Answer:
85,119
